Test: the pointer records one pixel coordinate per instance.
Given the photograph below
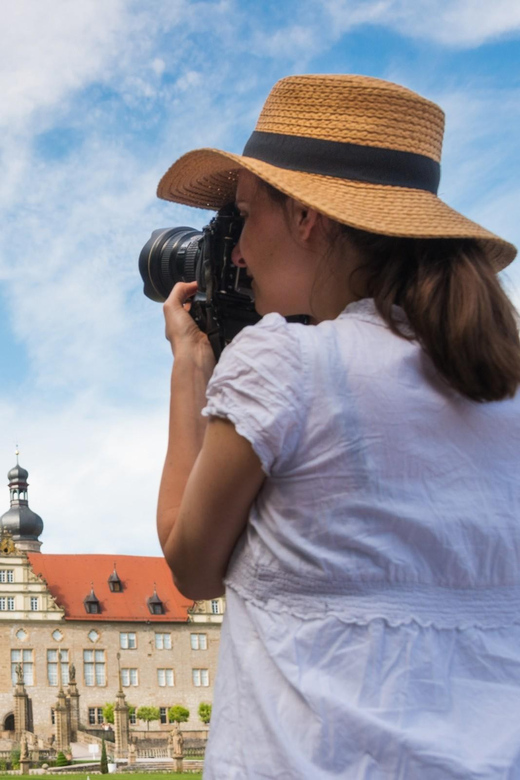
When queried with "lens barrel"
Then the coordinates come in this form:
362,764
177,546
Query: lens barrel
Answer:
168,257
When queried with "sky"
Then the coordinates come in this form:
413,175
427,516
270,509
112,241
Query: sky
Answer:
99,97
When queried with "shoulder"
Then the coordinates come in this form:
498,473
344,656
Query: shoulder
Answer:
273,329
272,345
260,384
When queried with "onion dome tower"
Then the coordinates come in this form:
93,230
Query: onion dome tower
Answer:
24,524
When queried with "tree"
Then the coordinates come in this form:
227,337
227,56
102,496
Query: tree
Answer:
61,759
205,712
103,764
178,714
148,714
108,712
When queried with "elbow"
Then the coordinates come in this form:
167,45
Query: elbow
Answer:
198,588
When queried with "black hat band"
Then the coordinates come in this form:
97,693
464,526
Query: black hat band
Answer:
371,164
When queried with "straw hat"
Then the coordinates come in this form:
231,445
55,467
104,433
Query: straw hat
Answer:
360,150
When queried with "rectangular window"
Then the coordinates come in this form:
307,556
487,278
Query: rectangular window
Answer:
200,677
53,716
215,607
24,657
10,603
128,641
163,641
3,603
6,575
34,603
95,716
129,677
52,667
132,718
94,667
165,677
199,641
163,712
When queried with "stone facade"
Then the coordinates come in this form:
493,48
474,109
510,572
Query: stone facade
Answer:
145,658
162,663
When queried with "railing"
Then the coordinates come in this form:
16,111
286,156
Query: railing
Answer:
108,735
195,751
155,752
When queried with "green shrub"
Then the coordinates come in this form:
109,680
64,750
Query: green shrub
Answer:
103,764
108,712
205,712
15,758
61,759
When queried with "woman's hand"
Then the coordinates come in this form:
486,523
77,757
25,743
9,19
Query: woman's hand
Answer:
181,331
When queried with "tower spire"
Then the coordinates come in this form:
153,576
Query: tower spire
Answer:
24,524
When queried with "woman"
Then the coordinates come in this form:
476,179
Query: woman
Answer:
353,482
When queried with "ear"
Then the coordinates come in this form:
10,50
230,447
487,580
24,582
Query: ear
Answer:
305,220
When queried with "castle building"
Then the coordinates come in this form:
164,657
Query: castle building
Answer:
94,624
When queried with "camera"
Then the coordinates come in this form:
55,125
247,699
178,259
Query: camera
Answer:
224,302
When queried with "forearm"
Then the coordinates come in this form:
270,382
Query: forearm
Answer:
190,376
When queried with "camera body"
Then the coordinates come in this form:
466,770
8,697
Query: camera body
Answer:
224,302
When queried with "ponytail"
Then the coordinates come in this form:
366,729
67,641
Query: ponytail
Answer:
455,304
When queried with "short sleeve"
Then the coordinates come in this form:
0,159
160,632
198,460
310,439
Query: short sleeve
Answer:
259,386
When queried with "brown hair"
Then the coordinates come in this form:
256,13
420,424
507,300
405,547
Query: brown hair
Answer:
454,302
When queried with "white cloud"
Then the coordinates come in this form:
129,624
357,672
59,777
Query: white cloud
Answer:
93,473
457,23
158,66
51,47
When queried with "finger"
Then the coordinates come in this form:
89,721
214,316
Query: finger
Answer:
180,294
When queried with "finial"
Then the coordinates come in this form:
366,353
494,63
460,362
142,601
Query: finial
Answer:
119,673
17,452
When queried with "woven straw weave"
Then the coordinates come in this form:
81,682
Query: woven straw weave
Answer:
360,110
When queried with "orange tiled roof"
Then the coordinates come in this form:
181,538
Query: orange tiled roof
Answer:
69,579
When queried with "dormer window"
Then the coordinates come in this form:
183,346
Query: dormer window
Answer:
114,582
155,604
91,603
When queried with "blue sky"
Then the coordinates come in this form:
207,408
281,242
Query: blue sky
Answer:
98,99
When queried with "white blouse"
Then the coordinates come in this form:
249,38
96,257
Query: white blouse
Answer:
373,602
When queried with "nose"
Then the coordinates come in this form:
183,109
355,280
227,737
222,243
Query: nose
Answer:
236,256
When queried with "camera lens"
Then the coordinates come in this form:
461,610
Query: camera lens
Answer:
168,257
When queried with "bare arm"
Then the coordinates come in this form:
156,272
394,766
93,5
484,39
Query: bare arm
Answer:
211,474
223,484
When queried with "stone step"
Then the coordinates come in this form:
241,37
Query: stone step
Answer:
190,765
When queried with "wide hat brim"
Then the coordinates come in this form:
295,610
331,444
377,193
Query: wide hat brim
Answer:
362,151
207,179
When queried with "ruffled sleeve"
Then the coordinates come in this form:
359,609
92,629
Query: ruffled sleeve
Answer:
259,385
